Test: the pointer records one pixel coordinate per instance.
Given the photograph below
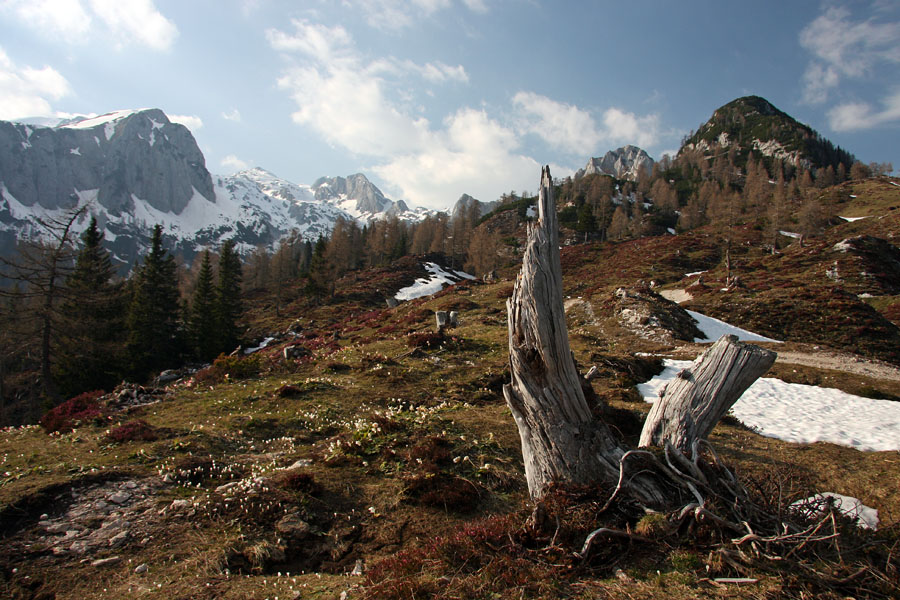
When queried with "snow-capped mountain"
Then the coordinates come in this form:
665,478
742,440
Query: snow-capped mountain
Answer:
623,163
137,169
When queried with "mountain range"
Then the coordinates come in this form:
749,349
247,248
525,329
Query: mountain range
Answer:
137,168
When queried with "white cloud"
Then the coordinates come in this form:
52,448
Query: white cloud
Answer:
65,18
134,21
232,115
472,154
563,126
394,15
234,164
842,47
479,6
438,72
365,107
854,116
192,122
137,20
574,130
626,127
26,91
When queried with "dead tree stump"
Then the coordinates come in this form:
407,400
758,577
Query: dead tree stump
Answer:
691,404
561,441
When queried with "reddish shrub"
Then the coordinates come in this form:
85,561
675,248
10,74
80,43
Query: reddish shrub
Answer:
300,481
442,490
74,410
425,339
289,391
137,429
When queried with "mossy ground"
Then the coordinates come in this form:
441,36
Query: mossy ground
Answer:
404,443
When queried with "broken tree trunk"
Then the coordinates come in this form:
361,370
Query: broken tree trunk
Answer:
691,404
561,441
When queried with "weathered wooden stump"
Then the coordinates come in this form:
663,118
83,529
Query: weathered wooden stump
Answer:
698,398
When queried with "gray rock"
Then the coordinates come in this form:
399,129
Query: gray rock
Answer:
119,498
624,163
105,562
442,318
119,539
292,526
141,568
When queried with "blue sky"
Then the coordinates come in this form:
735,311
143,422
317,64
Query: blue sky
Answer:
435,98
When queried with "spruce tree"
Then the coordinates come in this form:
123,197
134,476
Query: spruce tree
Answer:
228,298
89,356
202,327
155,340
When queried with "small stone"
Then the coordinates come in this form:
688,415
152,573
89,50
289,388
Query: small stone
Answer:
303,462
44,517
180,504
56,527
129,485
168,478
142,568
292,526
118,539
227,487
358,568
105,562
120,498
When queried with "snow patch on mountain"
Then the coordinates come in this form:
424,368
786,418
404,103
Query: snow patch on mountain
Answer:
426,286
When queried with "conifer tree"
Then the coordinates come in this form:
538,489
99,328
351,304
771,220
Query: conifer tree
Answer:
202,330
228,297
155,339
89,356
42,268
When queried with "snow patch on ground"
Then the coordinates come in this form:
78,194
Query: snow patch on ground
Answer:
431,285
851,219
694,273
714,329
804,414
678,296
816,506
262,345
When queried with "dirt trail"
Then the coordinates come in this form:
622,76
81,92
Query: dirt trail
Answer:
848,363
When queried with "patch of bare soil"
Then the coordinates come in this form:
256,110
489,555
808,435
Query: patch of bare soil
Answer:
847,363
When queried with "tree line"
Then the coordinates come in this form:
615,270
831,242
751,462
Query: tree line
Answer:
70,325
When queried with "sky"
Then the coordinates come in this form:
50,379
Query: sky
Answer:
431,99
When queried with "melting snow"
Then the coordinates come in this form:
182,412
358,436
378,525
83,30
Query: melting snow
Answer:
262,345
851,219
106,119
694,273
431,285
75,151
804,414
866,517
714,329
790,234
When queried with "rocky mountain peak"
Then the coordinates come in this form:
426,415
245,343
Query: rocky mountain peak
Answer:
623,163
753,124
112,159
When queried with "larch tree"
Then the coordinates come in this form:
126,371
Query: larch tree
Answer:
42,268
